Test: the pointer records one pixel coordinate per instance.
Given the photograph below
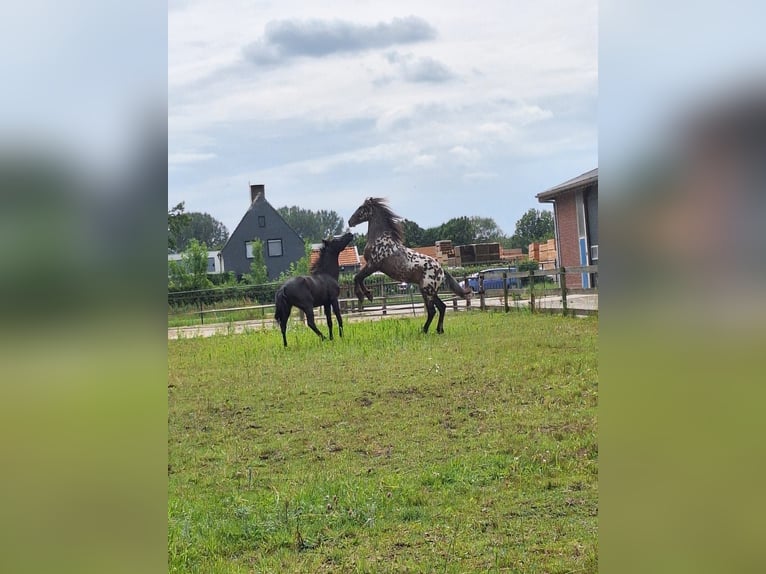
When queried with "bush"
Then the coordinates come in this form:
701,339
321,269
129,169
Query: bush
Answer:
258,270
528,265
190,273
300,267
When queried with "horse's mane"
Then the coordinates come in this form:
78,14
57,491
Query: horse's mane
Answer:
318,263
393,223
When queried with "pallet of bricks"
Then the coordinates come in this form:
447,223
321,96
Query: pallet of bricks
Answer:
479,252
544,253
444,250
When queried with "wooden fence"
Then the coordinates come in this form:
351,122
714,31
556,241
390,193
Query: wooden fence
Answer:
545,291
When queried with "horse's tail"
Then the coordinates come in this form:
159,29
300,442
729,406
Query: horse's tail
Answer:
282,306
455,286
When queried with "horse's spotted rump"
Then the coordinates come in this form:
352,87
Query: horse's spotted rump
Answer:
404,264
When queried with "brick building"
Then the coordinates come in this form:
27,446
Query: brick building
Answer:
575,213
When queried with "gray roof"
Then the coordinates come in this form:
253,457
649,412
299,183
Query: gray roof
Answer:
578,182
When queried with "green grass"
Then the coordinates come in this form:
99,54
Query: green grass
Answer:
387,450
191,318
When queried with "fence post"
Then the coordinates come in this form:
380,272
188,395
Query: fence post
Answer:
466,286
563,283
505,290
481,292
201,315
454,303
384,304
532,291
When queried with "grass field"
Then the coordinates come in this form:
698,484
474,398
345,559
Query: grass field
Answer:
387,450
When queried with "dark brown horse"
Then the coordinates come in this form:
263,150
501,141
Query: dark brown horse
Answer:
320,289
385,252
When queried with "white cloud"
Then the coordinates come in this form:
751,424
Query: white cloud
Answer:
424,160
419,69
181,158
475,176
465,155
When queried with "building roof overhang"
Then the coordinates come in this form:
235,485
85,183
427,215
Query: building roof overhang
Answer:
580,182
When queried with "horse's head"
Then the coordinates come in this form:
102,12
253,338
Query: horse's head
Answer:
337,244
327,262
364,211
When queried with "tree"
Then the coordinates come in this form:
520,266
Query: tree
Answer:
259,273
176,220
311,225
190,273
459,230
204,228
360,240
414,235
486,230
535,225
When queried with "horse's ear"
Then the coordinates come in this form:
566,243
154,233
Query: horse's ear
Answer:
325,242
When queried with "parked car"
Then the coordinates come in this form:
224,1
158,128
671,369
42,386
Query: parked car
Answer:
493,279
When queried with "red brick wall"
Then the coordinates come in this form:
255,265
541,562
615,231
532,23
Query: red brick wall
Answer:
566,213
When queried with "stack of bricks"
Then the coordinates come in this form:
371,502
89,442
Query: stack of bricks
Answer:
444,251
544,253
534,251
513,255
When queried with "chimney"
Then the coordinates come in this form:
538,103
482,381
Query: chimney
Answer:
256,191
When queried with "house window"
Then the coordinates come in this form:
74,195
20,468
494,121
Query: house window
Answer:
211,264
261,221
275,247
249,249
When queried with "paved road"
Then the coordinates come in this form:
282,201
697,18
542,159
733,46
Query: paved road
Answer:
586,303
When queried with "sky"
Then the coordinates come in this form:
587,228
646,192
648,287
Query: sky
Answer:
444,108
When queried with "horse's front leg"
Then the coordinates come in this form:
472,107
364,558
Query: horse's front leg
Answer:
328,314
359,288
309,312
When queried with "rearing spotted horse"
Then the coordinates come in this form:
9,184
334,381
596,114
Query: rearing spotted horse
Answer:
385,252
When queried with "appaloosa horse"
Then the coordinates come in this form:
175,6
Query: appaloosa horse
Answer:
315,290
385,252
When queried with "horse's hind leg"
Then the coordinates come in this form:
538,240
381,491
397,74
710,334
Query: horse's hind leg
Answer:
283,319
441,307
310,321
431,312
283,327
328,314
